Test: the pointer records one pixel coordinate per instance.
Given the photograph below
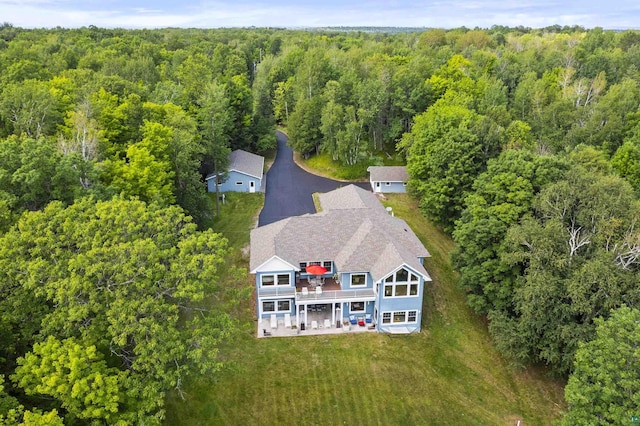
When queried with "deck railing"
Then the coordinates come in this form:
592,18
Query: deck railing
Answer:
312,295
276,292
336,295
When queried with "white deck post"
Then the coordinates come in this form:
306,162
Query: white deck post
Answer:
259,309
306,309
333,314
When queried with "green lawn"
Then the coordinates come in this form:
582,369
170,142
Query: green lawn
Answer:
238,215
323,164
448,374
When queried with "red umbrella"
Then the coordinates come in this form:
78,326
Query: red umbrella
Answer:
316,270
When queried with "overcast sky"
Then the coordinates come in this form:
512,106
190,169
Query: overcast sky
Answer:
612,14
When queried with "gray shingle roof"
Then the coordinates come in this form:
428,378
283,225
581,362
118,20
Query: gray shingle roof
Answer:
244,162
349,197
388,173
247,163
358,238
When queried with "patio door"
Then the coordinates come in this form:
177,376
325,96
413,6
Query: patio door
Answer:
252,186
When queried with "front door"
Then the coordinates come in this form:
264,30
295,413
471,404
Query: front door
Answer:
377,187
252,186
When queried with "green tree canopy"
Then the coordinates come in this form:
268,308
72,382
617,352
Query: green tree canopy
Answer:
501,196
114,284
447,148
579,259
604,388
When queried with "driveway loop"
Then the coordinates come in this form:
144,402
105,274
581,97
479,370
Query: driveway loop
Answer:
289,188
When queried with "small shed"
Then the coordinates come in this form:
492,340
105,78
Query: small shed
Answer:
244,175
388,178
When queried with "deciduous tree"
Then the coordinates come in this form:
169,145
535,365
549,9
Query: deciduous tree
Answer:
604,387
578,255
118,281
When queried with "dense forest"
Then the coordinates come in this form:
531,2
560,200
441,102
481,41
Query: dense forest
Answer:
523,144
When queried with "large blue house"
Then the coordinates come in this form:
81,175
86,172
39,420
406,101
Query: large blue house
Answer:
352,266
244,174
388,179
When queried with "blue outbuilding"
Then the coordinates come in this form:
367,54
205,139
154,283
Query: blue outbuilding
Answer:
244,175
388,178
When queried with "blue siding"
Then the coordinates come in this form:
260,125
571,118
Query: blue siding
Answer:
400,303
368,306
292,278
279,314
393,187
236,182
406,303
292,284
345,281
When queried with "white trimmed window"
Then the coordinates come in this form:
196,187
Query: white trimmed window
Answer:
239,183
355,307
358,280
400,317
401,284
275,306
276,279
400,290
327,264
387,183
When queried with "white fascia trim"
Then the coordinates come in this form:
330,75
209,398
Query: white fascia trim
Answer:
404,265
256,270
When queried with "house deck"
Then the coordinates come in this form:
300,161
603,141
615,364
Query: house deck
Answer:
329,284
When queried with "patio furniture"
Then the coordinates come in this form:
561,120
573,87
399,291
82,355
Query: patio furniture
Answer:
318,290
305,291
274,321
287,320
361,321
367,318
352,319
327,323
316,272
314,325
265,332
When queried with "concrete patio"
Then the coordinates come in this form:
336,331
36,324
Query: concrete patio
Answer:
319,319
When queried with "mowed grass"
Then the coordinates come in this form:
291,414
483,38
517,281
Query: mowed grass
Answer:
238,215
324,165
449,374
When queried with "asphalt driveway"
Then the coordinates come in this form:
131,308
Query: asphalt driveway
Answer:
289,188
